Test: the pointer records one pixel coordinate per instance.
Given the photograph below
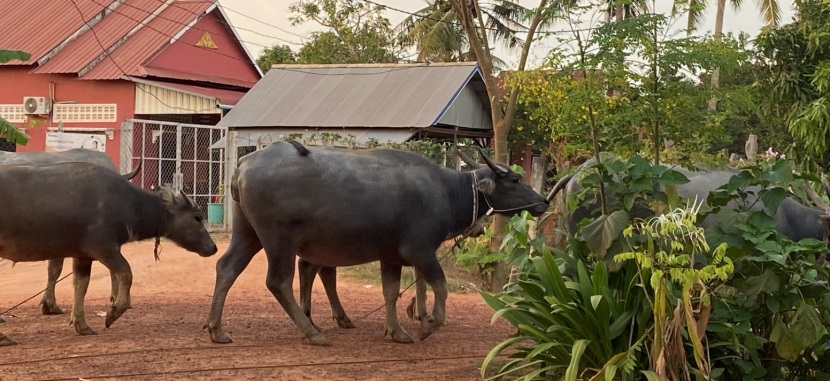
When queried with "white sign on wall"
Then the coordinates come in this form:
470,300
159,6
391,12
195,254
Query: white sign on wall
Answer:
64,141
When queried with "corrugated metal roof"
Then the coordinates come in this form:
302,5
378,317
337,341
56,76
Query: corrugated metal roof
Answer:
38,26
115,26
366,95
145,43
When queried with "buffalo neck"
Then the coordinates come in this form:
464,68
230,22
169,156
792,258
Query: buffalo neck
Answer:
468,202
149,218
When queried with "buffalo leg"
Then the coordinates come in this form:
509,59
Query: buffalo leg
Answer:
420,306
391,280
328,275
426,264
279,281
48,304
244,245
81,268
120,269
307,272
4,340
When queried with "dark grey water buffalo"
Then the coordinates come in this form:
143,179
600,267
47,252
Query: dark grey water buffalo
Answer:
793,219
48,304
340,208
87,211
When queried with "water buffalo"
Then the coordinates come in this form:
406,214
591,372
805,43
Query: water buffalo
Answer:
48,304
334,207
87,211
793,219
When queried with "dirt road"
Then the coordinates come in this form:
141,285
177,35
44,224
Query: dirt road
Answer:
162,337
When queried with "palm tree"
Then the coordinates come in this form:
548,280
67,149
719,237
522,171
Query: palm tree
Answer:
437,36
621,11
770,12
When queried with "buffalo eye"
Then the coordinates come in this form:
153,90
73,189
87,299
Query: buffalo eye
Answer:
199,218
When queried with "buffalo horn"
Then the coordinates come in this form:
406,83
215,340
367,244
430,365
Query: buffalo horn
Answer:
814,196
466,158
489,162
825,185
559,185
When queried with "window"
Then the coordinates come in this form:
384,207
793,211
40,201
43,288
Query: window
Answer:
85,113
13,113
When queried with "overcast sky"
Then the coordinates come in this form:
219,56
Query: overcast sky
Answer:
262,23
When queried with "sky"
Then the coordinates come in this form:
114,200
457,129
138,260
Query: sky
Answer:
263,23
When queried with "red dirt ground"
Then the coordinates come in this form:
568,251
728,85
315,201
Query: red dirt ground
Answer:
162,337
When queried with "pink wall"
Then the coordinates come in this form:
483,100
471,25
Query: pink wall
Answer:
18,82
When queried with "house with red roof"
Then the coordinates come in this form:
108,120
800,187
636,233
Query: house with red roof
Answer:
98,67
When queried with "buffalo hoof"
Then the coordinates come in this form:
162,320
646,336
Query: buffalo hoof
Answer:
428,327
344,322
319,340
5,341
114,314
50,308
220,337
399,336
84,330
2,320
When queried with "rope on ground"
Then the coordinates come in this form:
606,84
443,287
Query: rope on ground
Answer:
33,296
274,366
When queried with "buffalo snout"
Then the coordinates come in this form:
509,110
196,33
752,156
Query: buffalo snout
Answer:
539,209
210,251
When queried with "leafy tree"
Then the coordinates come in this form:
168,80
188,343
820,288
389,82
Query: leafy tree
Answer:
795,75
356,32
7,130
277,54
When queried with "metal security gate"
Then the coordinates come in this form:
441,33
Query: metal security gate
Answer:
178,156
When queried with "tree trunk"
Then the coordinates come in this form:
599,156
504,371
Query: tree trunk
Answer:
713,103
502,113
500,129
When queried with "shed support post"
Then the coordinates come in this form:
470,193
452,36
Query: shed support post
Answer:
231,159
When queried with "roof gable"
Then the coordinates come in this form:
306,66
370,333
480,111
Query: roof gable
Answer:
147,41
213,54
369,95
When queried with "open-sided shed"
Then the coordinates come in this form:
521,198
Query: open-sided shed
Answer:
384,102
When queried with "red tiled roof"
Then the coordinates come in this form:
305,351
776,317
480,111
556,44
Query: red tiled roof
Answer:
115,26
135,32
38,26
147,41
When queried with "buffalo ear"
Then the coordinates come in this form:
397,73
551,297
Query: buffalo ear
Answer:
486,186
167,196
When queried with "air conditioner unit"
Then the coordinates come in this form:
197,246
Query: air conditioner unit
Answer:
37,105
